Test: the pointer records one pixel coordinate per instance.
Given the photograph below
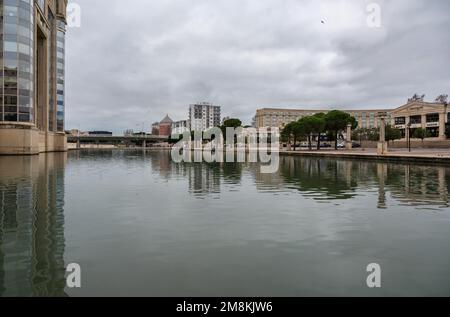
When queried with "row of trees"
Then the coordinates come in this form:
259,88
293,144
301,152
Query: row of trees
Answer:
373,134
318,125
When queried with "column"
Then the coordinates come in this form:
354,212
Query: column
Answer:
382,145
424,121
442,126
381,173
349,144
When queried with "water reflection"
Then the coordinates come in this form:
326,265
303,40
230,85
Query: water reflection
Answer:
328,179
321,179
32,225
156,218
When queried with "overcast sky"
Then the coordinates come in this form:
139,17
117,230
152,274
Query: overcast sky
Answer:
132,62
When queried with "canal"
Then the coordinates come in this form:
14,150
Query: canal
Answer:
139,224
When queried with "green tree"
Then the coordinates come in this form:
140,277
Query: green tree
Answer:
354,123
359,135
317,123
292,132
286,133
305,129
232,123
337,121
420,133
373,134
298,131
365,134
392,133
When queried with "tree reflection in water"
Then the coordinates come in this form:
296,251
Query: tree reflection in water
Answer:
329,179
321,179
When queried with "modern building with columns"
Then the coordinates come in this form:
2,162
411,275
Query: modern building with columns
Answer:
432,116
32,48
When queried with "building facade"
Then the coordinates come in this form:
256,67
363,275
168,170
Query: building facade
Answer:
179,127
281,117
155,128
32,104
433,117
165,126
203,116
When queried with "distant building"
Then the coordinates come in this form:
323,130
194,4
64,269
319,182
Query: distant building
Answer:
76,132
179,127
100,133
270,118
155,128
128,132
165,126
203,116
225,119
434,117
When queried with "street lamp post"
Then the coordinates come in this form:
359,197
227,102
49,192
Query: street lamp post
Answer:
409,136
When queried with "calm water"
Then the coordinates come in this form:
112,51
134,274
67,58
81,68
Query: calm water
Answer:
139,224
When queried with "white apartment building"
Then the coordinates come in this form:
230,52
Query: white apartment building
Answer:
179,127
203,116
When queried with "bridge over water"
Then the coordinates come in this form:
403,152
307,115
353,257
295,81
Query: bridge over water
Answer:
138,140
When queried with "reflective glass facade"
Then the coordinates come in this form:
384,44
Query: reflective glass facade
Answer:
50,71
16,60
18,64
60,73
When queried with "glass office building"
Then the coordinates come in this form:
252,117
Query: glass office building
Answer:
32,61
17,61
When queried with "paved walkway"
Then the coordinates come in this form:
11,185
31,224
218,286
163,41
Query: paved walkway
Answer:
442,155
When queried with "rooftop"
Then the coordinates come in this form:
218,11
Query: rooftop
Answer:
167,120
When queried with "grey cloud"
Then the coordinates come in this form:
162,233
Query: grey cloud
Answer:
132,62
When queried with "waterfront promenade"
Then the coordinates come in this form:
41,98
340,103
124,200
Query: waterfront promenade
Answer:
416,155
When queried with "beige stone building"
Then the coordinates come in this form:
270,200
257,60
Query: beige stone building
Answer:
430,116
280,117
32,104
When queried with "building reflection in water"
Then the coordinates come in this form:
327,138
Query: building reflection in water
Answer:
204,179
319,179
32,225
328,179
422,186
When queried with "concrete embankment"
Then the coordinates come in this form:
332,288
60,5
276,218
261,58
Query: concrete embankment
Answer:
429,157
